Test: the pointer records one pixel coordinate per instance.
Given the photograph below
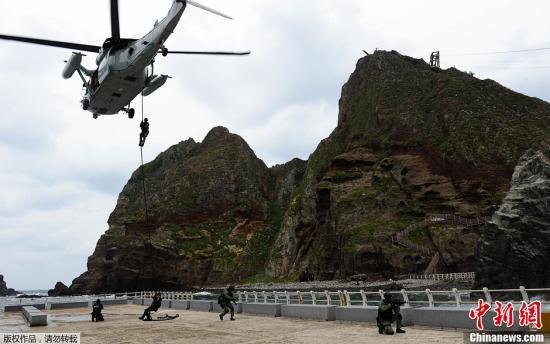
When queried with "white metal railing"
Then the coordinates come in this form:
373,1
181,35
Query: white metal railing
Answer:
82,298
361,298
412,298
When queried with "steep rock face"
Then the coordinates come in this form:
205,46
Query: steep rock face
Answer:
60,289
214,210
411,140
4,290
514,249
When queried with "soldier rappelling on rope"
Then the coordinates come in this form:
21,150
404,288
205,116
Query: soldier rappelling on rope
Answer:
144,132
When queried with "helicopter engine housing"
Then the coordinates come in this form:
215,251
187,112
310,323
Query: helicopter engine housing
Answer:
72,65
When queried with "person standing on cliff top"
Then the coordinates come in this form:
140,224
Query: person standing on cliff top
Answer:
224,300
157,302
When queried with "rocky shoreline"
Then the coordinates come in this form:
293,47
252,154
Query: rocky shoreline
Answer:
4,290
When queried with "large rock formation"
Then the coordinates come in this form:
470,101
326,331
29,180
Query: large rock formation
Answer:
514,249
214,210
60,289
4,290
411,140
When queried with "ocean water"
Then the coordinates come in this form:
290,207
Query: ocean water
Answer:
11,300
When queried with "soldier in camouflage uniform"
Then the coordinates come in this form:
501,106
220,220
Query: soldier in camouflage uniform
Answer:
389,311
225,300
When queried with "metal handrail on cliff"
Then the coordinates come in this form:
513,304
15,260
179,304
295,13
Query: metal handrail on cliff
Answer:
457,276
399,237
457,219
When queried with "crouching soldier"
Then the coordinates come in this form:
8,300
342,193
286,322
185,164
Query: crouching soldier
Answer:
225,299
389,311
155,305
96,311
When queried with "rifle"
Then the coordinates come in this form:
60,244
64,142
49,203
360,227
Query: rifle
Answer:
396,303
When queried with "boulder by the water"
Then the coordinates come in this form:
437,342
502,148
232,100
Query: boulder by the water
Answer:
4,290
514,249
60,289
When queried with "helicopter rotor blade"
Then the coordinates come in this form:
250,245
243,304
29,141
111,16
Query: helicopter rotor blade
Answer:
115,22
57,44
202,7
190,52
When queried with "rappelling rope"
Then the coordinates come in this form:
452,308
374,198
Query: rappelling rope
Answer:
144,199
143,174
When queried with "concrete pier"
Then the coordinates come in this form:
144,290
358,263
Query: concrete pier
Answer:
180,304
319,312
205,306
111,302
457,318
34,316
65,305
369,314
19,308
270,309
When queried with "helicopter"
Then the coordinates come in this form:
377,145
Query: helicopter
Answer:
123,71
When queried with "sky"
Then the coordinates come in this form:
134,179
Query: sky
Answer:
61,171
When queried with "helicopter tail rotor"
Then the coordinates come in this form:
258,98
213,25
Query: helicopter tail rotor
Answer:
208,9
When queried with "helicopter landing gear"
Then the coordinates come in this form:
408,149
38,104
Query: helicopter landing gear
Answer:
95,115
130,111
164,51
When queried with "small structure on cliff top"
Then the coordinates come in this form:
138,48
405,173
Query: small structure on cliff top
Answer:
434,59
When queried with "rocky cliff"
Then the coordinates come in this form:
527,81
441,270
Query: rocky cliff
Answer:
214,210
514,249
4,290
411,140
60,289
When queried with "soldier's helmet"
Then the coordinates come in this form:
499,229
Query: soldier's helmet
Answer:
231,287
387,297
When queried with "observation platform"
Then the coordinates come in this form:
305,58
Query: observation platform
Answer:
122,326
